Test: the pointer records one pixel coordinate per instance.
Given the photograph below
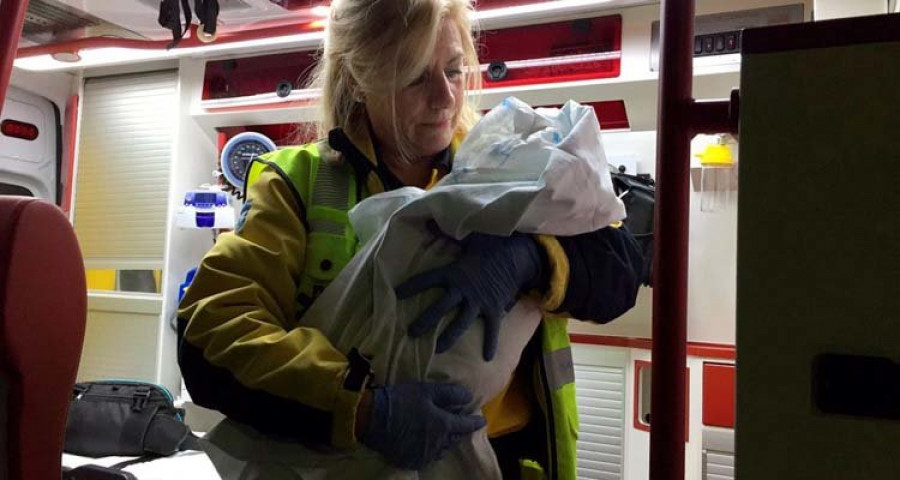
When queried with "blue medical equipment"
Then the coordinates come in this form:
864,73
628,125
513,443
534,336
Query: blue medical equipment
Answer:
205,209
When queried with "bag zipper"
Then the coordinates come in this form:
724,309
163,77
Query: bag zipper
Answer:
114,381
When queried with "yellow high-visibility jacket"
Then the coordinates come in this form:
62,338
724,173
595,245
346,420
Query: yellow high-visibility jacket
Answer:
246,353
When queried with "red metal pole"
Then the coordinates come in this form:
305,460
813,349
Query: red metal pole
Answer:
667,433
12,17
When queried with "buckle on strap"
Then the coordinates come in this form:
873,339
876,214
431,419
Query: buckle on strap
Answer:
140,398
79,390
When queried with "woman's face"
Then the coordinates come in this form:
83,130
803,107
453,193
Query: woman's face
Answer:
428,109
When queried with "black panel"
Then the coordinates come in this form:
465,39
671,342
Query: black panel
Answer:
856,385
824,34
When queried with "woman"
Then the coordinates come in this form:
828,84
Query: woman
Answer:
393,76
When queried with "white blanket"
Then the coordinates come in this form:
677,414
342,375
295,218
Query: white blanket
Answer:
519,170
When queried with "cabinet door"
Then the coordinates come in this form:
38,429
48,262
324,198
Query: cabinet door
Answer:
819,252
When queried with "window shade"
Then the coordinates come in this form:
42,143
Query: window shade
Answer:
126,145
600,394
718,465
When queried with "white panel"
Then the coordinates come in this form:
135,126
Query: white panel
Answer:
127,135
712,257
829,9
195,160
120,340
718,465
712,254
56,86
30,164
600,394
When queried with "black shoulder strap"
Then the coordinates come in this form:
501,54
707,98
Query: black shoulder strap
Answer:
162,437
167,435
169,13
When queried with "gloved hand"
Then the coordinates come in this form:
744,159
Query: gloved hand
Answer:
483,281
412,424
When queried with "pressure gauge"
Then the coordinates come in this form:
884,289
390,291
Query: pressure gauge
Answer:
239,152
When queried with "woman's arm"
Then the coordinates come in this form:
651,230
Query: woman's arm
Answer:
243,353
594,276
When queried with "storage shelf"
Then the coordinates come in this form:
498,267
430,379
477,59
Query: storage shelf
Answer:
639,93
262,114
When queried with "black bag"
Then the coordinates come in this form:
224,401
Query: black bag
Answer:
125,418
638,193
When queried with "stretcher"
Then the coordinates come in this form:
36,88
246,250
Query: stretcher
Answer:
186,465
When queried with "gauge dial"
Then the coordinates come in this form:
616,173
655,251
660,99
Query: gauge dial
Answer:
239,152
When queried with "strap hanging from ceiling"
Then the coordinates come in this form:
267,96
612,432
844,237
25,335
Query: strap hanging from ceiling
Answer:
170,12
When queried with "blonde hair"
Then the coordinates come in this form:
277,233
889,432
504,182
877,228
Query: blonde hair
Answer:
375,47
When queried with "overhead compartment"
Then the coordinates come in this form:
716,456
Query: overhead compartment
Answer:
580,49
277,75
543,52
600,57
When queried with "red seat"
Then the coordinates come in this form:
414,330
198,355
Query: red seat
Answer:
43,305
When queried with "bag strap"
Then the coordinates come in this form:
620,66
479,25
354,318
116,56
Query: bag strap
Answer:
169,13
137,425
96,472
161,435
167,436
117,471
164,436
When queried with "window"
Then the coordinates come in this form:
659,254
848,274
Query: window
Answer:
8,189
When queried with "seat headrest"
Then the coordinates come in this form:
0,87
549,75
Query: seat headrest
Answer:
43,304
43,296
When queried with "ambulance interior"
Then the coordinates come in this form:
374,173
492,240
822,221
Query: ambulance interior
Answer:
133,141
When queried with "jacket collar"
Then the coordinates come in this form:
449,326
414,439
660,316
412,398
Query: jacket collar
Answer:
361,153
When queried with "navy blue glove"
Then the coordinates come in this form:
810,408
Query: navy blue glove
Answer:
484,281
412,424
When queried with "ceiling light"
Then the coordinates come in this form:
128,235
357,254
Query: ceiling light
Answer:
321,11
539,8
67,57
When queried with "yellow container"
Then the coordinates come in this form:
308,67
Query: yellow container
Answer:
717,154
